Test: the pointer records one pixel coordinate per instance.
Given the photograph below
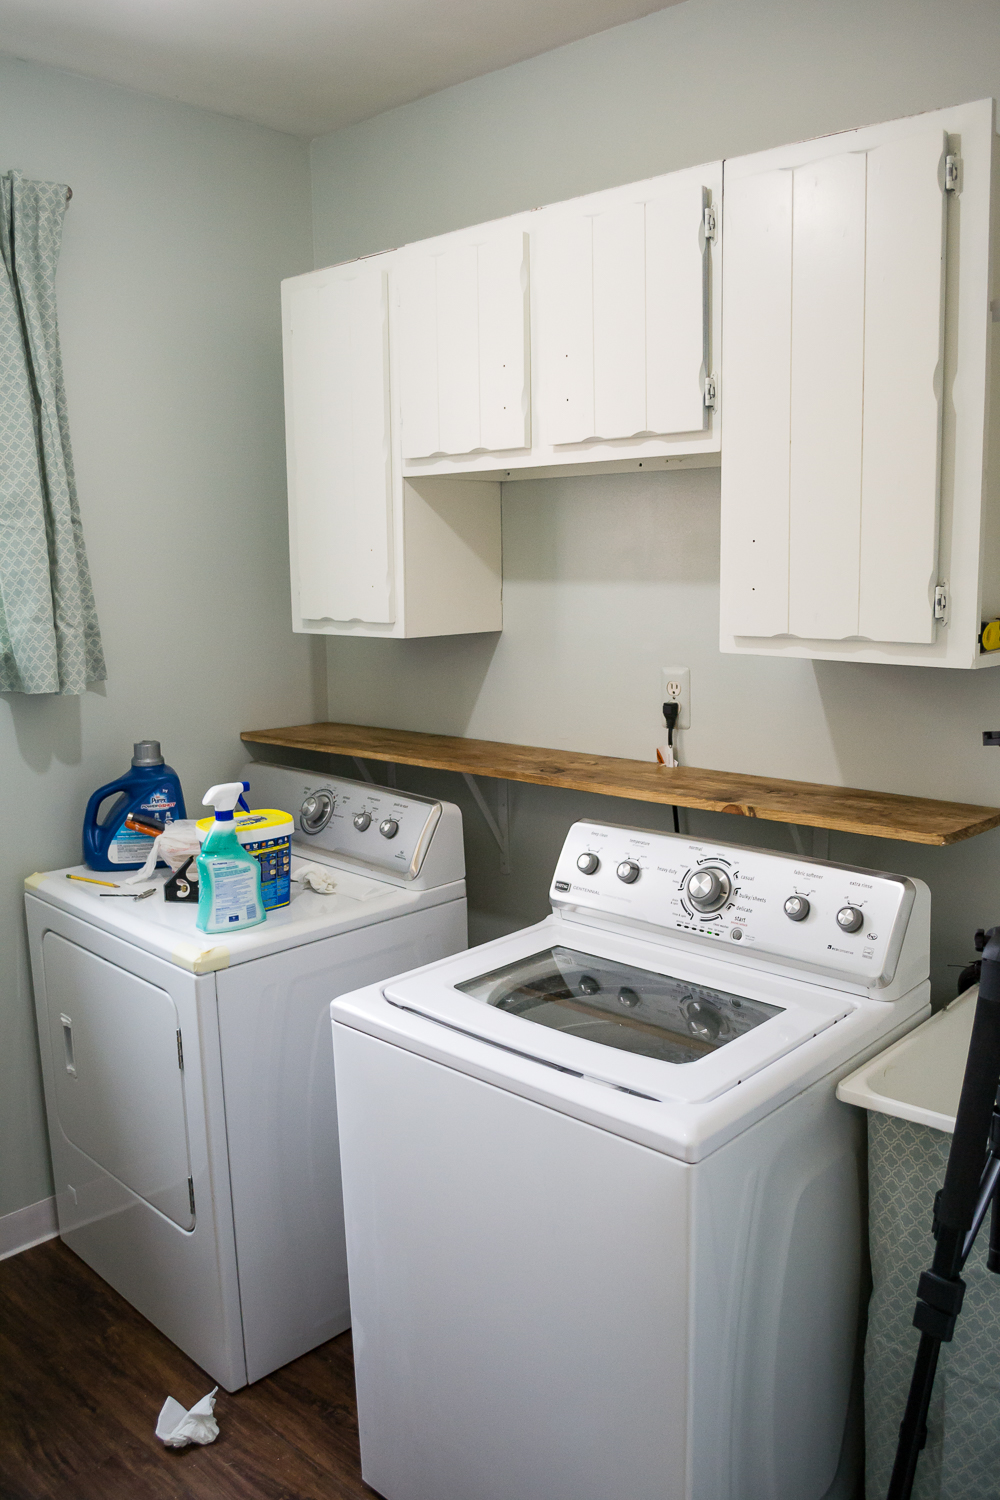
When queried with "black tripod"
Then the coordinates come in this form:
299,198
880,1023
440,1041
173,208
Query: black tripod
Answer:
971,1184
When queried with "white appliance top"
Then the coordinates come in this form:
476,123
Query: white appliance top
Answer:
368,890
635,1003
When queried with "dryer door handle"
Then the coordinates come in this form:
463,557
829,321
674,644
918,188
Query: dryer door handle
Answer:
67,1026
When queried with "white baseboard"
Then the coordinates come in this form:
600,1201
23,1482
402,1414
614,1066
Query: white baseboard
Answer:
28,1226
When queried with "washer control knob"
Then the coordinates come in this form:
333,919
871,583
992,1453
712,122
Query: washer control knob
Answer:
628,871
362,821
388,828
315,812
589,864
850,918
796,908
709,889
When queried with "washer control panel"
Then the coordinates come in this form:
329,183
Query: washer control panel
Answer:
810,913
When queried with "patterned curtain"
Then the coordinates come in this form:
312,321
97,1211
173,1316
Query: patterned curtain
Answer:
49,637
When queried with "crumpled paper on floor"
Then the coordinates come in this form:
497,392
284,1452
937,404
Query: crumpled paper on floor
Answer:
176,1426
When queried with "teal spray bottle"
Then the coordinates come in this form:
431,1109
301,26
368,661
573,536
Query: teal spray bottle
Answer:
229,897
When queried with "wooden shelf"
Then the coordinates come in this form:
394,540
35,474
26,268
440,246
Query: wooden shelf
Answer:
917,820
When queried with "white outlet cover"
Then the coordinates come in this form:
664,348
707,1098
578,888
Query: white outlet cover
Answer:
681,676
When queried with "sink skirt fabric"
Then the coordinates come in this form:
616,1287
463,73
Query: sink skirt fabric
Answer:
961,1460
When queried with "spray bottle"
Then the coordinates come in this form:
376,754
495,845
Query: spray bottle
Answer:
229,897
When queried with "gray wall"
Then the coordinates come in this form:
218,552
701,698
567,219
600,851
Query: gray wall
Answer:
607,579
182,224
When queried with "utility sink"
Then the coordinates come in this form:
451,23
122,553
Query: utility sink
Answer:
919,1078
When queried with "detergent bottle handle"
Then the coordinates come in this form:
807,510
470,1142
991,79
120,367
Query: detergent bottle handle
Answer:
101,795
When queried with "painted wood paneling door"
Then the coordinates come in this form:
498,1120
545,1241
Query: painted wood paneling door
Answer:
338,439
463,343
623,303
834,298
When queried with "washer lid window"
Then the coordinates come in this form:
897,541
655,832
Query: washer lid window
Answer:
618,1005
457,994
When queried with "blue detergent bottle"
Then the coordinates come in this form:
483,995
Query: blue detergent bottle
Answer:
149,789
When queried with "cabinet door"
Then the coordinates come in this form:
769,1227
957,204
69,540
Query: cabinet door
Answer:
339,462
833,336
463,345
624,310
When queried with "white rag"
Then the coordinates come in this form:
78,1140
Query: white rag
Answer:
176,1426
317,878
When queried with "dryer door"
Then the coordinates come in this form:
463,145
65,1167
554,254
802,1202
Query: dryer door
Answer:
118,1072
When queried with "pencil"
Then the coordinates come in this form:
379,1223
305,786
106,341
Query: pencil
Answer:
90,881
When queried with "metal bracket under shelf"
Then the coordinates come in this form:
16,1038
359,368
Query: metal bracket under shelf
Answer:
499,826
820,843
390,772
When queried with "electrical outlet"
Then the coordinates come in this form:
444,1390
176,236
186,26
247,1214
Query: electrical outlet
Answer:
675,687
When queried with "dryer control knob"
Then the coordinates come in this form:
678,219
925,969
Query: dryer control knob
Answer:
589,864
850,918
628,871
709,889
315,812
797,908
362,821
388,828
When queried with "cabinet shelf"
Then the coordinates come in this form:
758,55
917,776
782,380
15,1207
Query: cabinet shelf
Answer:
916,820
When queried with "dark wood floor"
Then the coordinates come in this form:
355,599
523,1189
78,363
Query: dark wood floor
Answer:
82,1380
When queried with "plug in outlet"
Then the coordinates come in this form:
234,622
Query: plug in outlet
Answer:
675,687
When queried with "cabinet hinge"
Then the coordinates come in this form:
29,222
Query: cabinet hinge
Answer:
711,222
952,173
191,1194
180,1052
711,392
941,602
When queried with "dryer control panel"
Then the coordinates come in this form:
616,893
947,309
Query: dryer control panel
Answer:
833,919
375,826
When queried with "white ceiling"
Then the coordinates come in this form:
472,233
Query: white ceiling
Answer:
305,66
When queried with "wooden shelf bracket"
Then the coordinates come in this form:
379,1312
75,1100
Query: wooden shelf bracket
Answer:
818,847
499,826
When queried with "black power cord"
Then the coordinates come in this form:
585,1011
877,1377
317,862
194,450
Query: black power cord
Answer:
670,713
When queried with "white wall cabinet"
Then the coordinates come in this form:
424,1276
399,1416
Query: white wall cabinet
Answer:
623,300
576,338
371,553
857,521
464,371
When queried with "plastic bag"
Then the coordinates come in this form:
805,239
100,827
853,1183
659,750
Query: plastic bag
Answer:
174,845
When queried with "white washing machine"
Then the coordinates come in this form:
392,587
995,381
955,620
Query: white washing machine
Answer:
604,1215
189,1081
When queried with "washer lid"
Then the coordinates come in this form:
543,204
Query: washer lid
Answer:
665,1025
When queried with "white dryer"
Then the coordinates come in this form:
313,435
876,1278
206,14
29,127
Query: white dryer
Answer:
189,1081
604,1222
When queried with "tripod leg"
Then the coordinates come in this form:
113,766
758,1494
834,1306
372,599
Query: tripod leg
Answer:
993,1254
913,1428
